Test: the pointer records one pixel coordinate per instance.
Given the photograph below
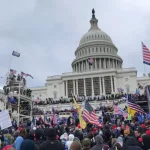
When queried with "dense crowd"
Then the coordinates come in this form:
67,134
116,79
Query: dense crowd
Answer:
50,101
116,133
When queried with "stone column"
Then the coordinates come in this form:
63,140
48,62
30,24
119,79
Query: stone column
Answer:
104,63
66,89
100,65
86,65
74,87
109,64
76,68
64,92
111,85
83,66
100,86
116,64
92,87
79,66
77,86
115,84
95,64
103,86
84,87
113,63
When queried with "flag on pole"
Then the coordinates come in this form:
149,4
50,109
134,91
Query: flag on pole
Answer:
90,61
146,54
54,116
26,74
12,71
82,122
14,53
133,108
37,100
90,115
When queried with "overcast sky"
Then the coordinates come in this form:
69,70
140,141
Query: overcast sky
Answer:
47,32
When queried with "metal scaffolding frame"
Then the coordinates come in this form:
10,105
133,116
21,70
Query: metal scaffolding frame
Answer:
17,86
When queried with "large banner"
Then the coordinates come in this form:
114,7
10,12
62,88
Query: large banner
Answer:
5,120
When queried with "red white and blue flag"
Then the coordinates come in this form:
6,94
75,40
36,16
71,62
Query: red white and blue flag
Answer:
26,74
90,61
146,54
89,114
12,71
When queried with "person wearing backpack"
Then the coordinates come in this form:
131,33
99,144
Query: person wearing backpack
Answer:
51,143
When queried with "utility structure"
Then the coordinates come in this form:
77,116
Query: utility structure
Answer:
18,98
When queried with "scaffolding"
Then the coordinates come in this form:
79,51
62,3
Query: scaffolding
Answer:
17,100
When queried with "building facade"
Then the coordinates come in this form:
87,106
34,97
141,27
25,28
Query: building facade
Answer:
103,77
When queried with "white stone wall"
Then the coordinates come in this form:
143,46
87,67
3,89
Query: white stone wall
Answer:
40,92
55,88
124,78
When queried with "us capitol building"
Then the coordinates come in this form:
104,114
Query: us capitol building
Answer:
103,77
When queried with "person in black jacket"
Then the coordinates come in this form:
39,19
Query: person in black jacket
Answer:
78,134
51,142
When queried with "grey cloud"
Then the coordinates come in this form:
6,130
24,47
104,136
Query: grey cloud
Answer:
48,31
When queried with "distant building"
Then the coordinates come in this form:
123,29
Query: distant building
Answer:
103,77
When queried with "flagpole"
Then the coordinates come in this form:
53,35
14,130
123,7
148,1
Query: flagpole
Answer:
10,62
144,69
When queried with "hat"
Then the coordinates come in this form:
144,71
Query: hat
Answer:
148,132
99,139
143,126
76,145
86,142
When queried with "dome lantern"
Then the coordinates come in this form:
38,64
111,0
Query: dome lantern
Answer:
94,21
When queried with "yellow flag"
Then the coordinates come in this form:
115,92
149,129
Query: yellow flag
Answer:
82,122
76,104
131,111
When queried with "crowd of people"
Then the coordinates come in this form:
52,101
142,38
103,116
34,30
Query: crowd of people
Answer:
50,101
131,133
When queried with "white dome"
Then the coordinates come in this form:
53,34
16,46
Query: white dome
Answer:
95,35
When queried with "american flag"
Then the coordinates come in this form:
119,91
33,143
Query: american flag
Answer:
26,74
146,54
13,71
90,61
120,89
37,100
90,115
119,111
54,116
135,107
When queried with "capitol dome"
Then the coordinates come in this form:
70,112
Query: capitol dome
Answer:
98,46
94,35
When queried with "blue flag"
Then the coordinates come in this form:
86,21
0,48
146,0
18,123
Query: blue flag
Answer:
14,53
